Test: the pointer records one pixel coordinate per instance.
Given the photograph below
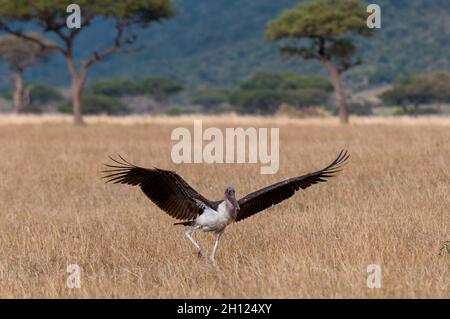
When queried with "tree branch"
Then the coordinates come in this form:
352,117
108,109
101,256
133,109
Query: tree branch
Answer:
40,42
117,46
345,65
85,23
300,51
49,24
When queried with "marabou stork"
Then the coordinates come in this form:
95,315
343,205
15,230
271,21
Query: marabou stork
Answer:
176,197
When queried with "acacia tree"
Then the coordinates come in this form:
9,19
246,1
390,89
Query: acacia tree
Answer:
50,16
417,90
324,23
19,55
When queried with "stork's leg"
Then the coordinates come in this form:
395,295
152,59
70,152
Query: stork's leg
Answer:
189,236
216,244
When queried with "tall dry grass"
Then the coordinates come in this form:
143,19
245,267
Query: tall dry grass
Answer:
390,206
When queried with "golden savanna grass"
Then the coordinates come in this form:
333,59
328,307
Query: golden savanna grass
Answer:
390,206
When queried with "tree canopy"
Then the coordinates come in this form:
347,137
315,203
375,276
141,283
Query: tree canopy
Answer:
319,19
52,14
20,54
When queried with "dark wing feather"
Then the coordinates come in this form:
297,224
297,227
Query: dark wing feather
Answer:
278,192
165,188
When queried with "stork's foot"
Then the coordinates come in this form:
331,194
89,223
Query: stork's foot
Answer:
213,261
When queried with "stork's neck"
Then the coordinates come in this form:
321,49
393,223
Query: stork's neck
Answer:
231,210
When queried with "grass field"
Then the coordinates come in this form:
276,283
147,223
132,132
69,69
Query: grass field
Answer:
390,206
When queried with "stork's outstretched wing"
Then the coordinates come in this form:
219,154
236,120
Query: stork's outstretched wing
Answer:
271,195
165,188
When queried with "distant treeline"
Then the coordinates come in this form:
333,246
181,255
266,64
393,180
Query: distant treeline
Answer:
262,93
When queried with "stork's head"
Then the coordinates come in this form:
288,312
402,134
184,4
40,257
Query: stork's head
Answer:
230,197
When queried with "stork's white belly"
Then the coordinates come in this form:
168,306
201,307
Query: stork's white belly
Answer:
211,220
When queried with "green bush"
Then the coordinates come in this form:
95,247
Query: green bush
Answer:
293,82
114,88
256,101
415,110
304,97
210,98
265,91
34,109
7,95
41,93
359,108
97,104
159,88
265,80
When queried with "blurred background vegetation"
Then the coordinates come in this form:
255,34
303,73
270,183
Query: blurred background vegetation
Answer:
212,57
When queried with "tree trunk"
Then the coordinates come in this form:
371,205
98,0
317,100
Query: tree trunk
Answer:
18,92
77,105
26,99
78,80
339,91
